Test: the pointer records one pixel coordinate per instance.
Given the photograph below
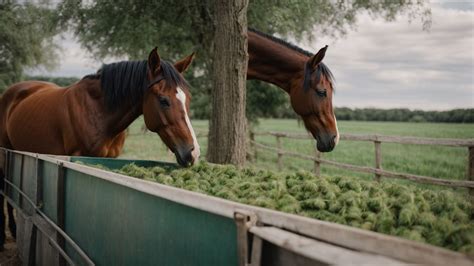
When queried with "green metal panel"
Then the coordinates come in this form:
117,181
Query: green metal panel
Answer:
15,171
117,225
118,163
29,183
49,176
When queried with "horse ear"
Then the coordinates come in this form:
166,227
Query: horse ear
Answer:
318,57
184,63
154,61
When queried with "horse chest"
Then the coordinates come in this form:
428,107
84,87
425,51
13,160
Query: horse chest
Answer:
110,147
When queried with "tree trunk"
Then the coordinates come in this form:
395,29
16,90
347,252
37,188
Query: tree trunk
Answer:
228,124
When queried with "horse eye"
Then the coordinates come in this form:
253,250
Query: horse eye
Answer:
321,93
164,101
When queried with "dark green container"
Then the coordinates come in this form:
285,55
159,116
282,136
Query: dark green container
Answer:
129,227
118,225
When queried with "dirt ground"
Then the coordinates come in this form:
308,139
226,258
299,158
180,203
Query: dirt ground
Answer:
9,256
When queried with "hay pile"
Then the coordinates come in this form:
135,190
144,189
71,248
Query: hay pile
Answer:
439,218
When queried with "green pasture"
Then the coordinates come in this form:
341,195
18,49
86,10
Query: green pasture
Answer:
442,162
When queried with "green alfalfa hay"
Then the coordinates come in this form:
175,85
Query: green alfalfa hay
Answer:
380,207
353,213
426,219
264,202
288,203
165,179
459,236
136,171
314,204
408,214
350,198
385,221
335,206
370,217
349,185
368,226
226,193
409,234
375,204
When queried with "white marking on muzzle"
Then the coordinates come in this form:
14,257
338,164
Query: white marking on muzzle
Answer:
182,97
337,132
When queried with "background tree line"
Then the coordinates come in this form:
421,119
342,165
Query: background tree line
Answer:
276,105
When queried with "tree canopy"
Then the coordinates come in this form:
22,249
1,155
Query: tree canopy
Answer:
26,39
130,28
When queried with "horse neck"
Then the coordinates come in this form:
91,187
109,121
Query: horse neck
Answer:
272,62
108,122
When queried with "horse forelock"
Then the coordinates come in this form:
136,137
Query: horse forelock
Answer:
126,82
321,71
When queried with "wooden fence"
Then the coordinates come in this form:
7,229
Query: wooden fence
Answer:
377,170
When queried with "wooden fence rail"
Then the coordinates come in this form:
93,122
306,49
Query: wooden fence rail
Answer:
380,138
377,170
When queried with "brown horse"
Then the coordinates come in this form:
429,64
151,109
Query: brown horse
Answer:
307,80
89,118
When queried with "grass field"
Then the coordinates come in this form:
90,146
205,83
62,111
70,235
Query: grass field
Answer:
442,162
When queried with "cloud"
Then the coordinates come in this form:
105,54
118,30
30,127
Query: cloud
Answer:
397,64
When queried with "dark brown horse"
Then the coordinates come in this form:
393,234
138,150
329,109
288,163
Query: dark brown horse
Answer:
303,76
89,118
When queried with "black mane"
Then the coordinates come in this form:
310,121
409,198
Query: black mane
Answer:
322,68
126,82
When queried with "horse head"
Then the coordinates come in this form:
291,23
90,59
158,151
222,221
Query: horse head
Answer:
311,98
166,107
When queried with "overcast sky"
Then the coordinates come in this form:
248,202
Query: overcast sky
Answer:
379,64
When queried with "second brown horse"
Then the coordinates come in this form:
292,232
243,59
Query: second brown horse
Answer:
303,75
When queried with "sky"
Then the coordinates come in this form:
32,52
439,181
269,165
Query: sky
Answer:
377,64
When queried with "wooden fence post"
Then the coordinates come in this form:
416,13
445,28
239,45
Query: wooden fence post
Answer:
317,164
280,155
471,171
252,146
378,158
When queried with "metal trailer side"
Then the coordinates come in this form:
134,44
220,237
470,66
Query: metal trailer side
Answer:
112,219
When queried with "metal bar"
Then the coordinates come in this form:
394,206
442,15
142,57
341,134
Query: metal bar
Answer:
31,232
39,183
20,198
57,247
60,209
59,230
7,172
52,241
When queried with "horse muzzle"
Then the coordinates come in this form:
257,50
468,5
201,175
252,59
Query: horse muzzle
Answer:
184,155
326,143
